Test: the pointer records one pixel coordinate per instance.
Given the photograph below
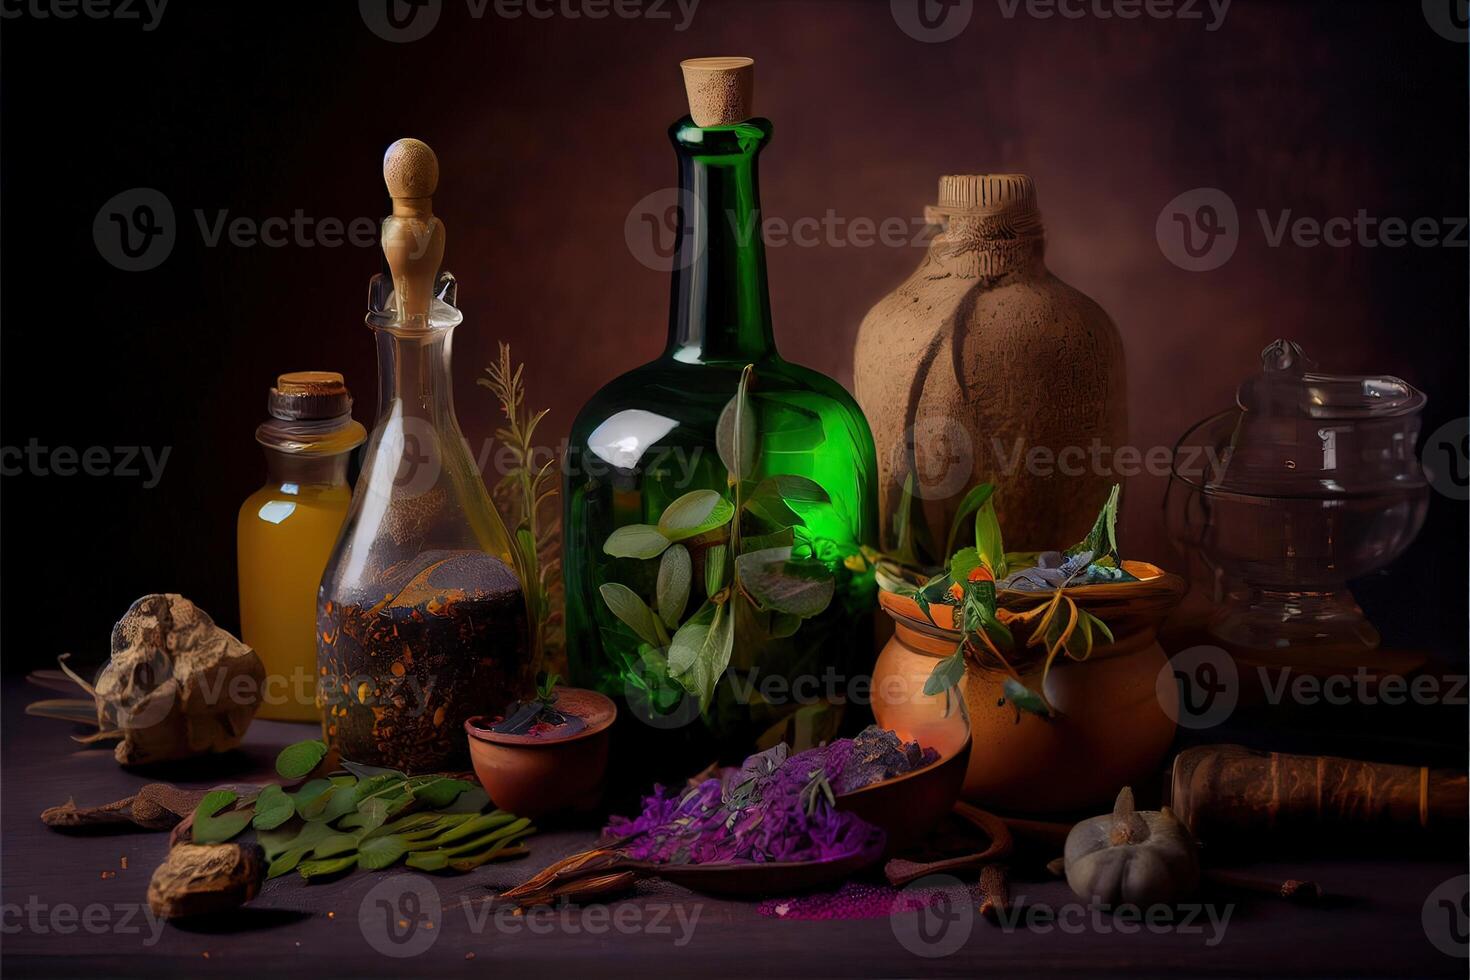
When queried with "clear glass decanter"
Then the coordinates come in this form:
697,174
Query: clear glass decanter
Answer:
420,617
743,652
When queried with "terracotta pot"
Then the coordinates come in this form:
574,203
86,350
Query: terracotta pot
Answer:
984,367
1111,727
533,775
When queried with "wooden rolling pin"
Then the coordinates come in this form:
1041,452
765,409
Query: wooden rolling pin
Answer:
1232,797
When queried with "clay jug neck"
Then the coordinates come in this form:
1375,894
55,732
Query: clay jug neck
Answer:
990,227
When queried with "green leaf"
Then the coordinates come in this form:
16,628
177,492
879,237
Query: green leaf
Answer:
428,860
784,625
282,842
284,862
790,487
697,512
784,538
633,612
375,812
716,562
297,761
1024,698
974,500
726,433
361,771
675,575
802,588
474,827
472,800
635,541
988,540
323,869
946,674
385,784
1102,540
700,652
772,512
439,793
335,846
273,807
213,827
309,791
965,561
380,852
473,861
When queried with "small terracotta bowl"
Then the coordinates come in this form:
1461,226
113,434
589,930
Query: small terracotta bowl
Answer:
533,775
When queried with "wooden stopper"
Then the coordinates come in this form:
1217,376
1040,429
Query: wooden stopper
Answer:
721,90
413,239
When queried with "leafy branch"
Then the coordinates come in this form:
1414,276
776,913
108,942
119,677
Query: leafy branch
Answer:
754,570
528,490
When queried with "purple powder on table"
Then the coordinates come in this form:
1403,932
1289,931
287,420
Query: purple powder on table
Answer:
855,900
774,807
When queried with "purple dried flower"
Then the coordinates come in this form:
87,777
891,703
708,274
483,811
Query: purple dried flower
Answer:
775,807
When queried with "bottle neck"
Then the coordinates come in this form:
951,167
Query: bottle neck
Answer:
720,308
286,469
414,377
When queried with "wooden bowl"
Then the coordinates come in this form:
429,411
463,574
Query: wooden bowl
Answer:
909,806
534,775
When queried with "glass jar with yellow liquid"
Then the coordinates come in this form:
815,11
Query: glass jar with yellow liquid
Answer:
287,530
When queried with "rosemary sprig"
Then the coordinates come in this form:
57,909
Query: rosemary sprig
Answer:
527,489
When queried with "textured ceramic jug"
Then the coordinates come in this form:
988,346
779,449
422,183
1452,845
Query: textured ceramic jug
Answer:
983,366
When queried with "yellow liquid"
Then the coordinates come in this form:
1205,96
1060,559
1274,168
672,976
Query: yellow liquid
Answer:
285,536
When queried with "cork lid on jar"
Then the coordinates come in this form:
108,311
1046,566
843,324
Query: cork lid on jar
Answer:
308,395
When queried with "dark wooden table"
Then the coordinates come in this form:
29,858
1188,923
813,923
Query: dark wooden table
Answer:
72,909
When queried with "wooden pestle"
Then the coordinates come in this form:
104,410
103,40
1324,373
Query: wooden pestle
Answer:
1232,797
413,239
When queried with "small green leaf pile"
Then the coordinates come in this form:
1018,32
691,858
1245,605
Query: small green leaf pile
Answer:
757,568
365,817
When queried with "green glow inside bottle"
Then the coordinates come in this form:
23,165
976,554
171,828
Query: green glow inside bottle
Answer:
641,451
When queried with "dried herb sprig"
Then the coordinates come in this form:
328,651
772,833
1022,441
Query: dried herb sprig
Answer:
527,491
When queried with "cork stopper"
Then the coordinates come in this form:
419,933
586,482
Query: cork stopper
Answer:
721,90
413,239
303,395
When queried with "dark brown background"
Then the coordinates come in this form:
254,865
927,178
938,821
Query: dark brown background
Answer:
549,131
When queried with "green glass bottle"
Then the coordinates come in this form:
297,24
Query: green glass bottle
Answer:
721,612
